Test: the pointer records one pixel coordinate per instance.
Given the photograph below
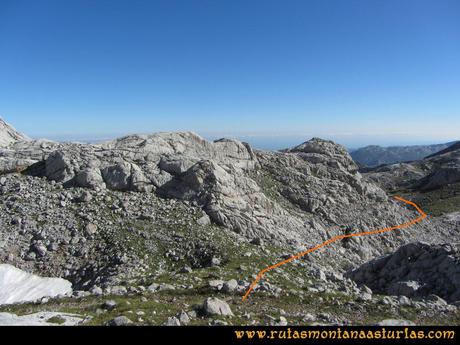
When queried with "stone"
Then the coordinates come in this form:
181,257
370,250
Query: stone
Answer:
216,284
404,288
214,306
58,167
365,288
172,321
394,322
109,305
282,321
138,181
319,274
153,287
16,220
215,262
90,229
81,294
117,176
31,256
388,300
97,291
52,247
436,300
184,318
89,178
40,249
166,287
218,323
257,241
186,269
365,296
85,196
119,290
119,321
204,220
308,317
230,286
404,301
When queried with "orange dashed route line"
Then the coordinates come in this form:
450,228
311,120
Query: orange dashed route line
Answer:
422,216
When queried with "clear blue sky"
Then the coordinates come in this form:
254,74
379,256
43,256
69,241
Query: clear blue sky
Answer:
359,72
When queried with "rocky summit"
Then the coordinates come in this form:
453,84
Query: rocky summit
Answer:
9,135
171,229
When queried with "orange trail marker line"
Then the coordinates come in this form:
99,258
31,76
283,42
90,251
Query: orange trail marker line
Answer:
422,216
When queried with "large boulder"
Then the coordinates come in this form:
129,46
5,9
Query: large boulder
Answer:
90,178
214,306
118,176
139,182
125,176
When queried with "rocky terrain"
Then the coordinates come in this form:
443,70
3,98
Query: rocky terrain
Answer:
169,228
410,271
434,182
9,135
374,155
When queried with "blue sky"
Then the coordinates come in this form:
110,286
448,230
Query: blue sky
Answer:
359,72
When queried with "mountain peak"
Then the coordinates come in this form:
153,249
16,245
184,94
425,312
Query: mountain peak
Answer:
321,146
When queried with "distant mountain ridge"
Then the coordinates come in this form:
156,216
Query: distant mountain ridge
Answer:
374,155
453,147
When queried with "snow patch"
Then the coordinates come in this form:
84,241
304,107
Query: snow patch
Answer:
19,286
40,319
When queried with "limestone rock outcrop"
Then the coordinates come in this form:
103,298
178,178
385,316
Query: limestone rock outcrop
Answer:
9,135
414,270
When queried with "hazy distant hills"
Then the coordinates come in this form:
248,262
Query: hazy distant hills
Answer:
375,155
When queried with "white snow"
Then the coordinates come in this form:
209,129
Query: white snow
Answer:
19,286
39,319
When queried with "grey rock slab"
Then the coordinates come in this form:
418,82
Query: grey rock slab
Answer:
172,321
395,322
119,321
215,306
